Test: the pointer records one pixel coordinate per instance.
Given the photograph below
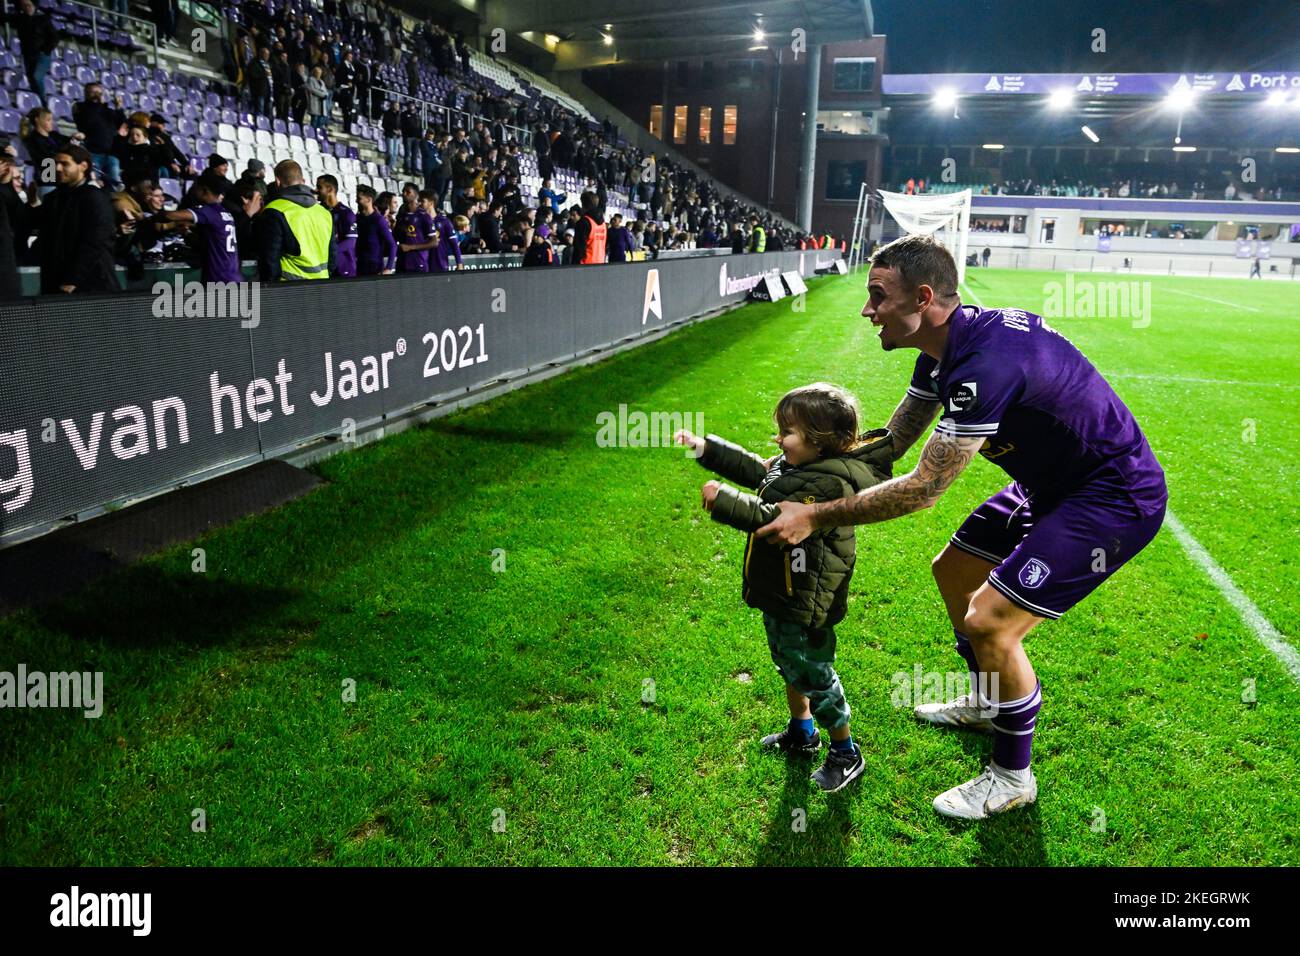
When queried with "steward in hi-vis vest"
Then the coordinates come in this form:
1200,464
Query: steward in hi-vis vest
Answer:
589,236
757,236
295,233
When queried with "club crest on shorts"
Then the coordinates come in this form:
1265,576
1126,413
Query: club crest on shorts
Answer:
1034,573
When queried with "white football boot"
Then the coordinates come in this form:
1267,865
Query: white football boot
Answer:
964,712
991,792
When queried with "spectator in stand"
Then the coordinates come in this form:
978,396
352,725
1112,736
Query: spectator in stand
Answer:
547,196
172,163
540,252
590,234
255,175
376,248
391,121
345,88
282,84
74,225
103,128
345,226
619,240
431,162
411,137
298,105
43,143
18,213
36,33
488,225
261,82
737,240
139,157
165,14
316,94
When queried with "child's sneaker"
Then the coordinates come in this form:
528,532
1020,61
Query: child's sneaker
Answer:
793,742
840,769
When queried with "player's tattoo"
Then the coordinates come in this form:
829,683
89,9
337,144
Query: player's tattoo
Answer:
910,420
942,459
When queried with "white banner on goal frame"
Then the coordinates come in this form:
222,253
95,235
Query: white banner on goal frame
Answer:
946,216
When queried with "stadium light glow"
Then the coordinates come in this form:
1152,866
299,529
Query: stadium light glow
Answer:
1275,98
993,146
1287,149
607,39
945,99
1184,149
1087,131
1180,98
1060,99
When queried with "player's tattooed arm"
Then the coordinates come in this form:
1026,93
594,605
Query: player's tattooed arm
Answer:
910,420
942,459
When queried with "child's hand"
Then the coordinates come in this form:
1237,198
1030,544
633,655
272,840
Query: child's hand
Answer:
709,494
692,441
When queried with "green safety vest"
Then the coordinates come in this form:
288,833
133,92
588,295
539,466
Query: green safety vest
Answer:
759,239
312,226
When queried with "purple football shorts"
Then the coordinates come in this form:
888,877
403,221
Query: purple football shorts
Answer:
1048,560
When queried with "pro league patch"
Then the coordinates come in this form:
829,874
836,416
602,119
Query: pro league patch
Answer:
962,397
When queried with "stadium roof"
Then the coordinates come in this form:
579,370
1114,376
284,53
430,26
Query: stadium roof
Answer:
584,33
1242,108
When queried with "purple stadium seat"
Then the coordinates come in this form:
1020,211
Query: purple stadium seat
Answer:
263,123
5,101
9,120
204,147
213,100
161,76
294,129
117,66
309,132
211,114
190,111
133,85
170,109
61,107
27,102
87,74
278,126
141,72
128,101
71,89
187,126
95,63
171,187
229,116
154,89
147,103
208,130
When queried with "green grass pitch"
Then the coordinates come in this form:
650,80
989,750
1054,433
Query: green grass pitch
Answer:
515,698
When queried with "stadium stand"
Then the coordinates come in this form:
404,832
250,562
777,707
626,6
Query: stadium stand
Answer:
523,128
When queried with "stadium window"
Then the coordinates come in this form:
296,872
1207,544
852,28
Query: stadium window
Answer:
854,74
728,126
706,125
657,121
744,74
679,123
844,179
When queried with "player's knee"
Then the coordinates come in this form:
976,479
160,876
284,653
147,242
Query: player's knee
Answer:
984,628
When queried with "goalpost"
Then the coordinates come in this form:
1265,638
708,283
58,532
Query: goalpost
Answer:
945,216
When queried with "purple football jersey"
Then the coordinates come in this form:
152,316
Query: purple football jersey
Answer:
218,253
439,259
413,228
1052,422
345,238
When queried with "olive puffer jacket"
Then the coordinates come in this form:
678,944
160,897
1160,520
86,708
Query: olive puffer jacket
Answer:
807,584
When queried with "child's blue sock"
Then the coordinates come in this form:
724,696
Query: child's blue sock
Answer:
846,744
804,724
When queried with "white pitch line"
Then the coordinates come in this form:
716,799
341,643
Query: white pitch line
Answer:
1206,298
1198,381
1266,633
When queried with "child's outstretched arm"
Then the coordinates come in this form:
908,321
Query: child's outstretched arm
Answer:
725,458
735,508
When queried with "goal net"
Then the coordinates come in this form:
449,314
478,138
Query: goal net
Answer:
945,216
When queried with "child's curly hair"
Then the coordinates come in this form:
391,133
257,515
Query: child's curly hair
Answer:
826,414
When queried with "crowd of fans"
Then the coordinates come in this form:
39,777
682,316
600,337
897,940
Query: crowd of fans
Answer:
1203,186
466,194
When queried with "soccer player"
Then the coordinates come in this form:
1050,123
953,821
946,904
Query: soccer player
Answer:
376,248
215,225
1086,495
345,225
445,232
414,232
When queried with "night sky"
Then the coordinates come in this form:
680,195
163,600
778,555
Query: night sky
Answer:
1052,36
